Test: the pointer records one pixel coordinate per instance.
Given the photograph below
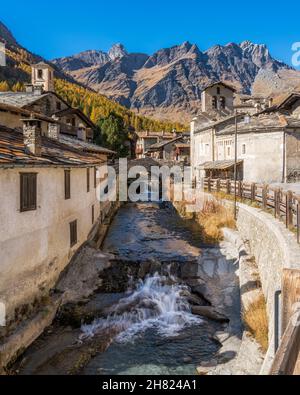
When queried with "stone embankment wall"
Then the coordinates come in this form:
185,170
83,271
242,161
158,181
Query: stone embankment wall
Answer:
274,248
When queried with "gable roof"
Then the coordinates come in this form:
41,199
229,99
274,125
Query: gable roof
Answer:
289,101
219,164
24,113
76,111
43,65
220,83
54,152
263,123
24,99
158,146
84,146
20,99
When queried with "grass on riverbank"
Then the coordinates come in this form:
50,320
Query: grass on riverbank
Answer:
212,218
256,321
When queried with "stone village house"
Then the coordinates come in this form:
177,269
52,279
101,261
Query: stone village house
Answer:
268,140
147,139
48,180
175,150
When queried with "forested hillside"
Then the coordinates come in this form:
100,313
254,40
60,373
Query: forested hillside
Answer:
97,106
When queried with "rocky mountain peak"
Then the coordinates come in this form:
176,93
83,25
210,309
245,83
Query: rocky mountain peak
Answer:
170,81
260,55
117,51
6,36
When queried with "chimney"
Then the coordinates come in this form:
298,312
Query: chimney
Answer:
32,135
37,90
271,102
54,129
81,133
28,88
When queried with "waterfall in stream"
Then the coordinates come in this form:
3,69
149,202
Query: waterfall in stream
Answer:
158,303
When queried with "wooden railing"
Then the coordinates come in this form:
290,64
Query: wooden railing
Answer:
285,205
287,358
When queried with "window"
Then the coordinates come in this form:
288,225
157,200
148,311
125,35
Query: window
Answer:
228,151
88,180
93,214
73,122
95,177
58,106
214,102
28,191
222,102
218,90
243,149
73,233
40,73
67,184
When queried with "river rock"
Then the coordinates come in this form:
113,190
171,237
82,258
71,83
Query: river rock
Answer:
203,371
193,299
200,290
148,267
210,313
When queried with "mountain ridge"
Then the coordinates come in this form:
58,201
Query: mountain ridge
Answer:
93,104
168,83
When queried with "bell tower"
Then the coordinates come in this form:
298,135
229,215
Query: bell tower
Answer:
43,76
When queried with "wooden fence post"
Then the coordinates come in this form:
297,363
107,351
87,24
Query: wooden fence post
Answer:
228,187
218,184
275,202
253,191
288,209
209,184
290,295
240,189
298,222
264,196
278,204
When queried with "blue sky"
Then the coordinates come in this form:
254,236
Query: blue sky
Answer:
60,28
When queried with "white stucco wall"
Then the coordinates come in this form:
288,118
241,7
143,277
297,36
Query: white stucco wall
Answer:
35,245
263,153
201,148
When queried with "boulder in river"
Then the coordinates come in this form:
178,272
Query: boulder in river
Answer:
210,313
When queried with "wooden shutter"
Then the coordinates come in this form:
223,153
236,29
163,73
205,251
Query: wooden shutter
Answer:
88,180
67,184
28,191
73,233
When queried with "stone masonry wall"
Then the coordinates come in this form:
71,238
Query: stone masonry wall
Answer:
274,248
